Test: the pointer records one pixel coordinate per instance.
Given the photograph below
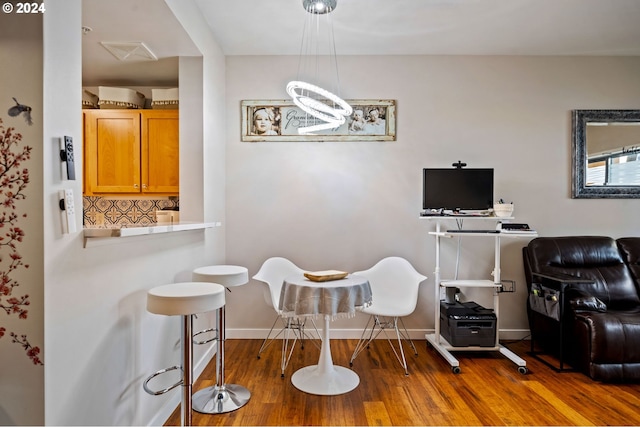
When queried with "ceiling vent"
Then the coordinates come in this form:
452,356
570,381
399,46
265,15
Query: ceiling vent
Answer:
130,51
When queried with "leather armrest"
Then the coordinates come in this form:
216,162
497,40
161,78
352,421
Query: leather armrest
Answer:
580,300
561,278
574,297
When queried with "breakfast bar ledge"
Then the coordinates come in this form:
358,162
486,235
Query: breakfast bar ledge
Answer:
129,231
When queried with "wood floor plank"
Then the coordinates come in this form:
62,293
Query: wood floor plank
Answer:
625,404
488,391
492,396
573,415
376,413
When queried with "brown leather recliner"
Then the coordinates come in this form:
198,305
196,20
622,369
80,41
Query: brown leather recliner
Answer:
597,316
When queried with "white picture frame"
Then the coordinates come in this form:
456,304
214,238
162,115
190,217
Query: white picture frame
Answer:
285,118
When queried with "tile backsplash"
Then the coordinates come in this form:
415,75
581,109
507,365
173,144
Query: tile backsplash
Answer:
101,211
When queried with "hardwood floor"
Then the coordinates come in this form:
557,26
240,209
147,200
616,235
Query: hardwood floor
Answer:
488,391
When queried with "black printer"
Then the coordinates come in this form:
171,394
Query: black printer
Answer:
466,324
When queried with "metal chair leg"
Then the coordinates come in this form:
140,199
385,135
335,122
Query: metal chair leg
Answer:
294,325
406,336
286,350
318,334
363,342
403,362
380,326
266,343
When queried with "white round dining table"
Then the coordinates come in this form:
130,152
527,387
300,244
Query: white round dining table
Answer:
330,300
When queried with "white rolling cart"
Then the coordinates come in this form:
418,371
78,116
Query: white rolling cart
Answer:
436,340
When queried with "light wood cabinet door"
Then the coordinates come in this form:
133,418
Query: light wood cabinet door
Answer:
112,144
160,151
131,151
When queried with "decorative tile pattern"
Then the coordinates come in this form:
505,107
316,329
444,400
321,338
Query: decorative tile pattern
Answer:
100,211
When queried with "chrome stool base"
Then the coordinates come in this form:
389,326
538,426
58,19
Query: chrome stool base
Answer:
220,399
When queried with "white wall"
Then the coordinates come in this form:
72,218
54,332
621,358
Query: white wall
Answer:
345,205
100,341
324,205
21,380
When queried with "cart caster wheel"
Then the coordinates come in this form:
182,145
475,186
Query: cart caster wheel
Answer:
455,369
522,369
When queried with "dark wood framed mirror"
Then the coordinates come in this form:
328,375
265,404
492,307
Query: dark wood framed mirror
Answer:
606,154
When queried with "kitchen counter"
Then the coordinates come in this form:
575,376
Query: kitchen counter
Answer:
133,230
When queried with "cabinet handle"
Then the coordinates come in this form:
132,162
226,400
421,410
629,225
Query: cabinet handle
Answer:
135,185
144,185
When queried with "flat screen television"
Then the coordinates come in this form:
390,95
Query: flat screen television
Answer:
457,189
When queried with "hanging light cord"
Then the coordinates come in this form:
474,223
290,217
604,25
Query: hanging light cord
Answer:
315,101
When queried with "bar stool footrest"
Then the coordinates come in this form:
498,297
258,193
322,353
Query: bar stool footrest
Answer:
204,331
160,372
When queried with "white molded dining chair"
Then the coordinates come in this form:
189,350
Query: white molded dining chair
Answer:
273,272
394,286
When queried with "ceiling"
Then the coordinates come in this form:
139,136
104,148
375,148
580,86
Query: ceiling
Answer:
147,21
361,27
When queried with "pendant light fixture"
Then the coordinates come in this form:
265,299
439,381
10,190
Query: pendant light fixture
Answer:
316,90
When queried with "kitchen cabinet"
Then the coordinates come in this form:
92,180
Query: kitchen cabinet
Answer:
131,152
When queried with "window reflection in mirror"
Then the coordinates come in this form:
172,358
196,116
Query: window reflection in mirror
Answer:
613,153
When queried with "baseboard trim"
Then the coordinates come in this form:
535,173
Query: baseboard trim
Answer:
416,334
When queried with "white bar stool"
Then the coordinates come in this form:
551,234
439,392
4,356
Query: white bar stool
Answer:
222,397
183,299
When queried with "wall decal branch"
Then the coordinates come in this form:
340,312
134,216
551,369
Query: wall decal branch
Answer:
14,179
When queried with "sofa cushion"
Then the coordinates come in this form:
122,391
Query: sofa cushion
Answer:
609,350
595,258
614,335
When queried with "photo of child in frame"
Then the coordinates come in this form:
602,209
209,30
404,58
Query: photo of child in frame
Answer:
357,122
368,120
266,121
